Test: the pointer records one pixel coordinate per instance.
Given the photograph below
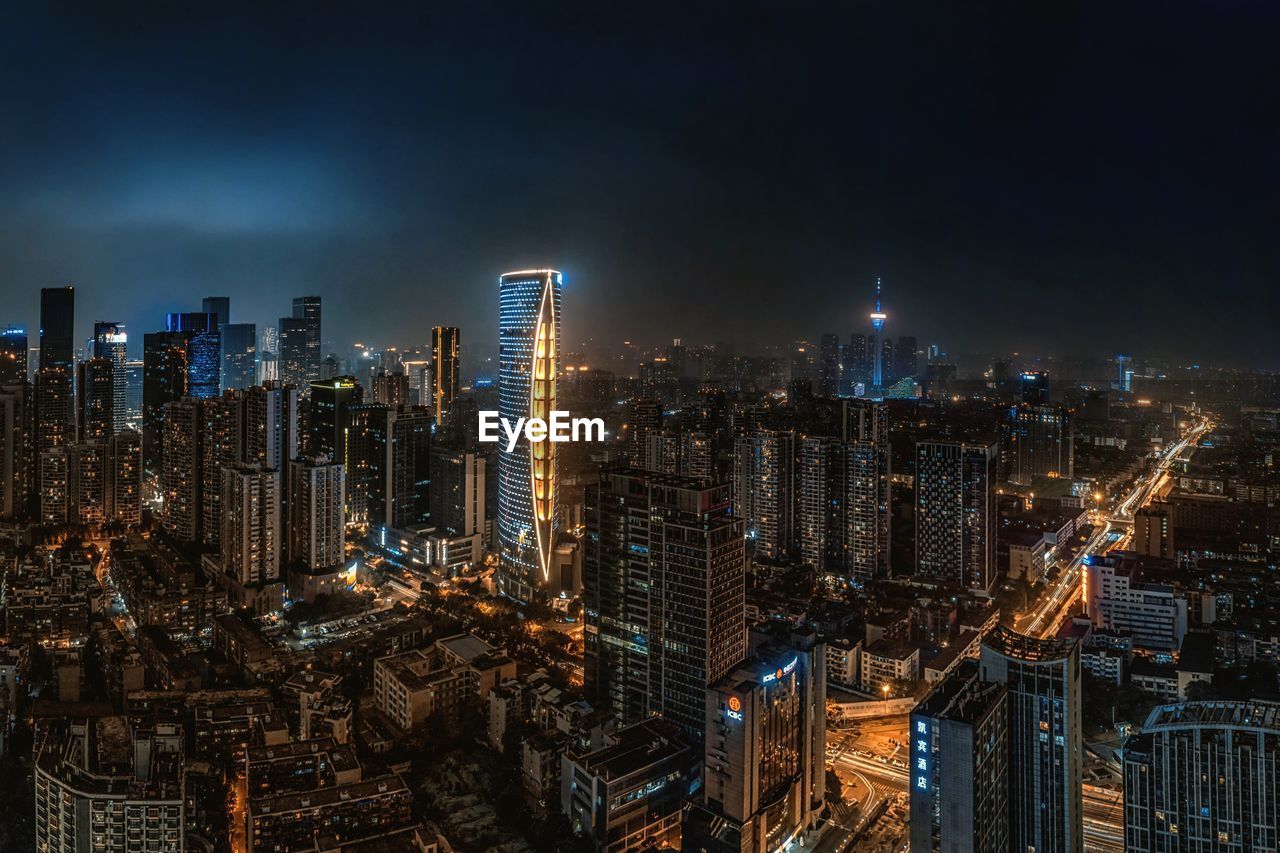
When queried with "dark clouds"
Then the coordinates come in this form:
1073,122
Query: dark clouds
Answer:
1076,178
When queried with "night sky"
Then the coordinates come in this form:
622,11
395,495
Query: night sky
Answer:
1094,178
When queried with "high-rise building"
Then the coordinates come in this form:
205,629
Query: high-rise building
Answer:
13,356
221,436
457,491
134,372
95,400
905,363
1042,679
55,409
110,785
956,512
250,538
765,752
219,307
17,450
181,471
182,361
1204,776
292,358
55,484
328,422
842,517
1037,441
528,488
857,362
124,477
110,341
664,595
270,425
87,482
307,309
959,760
444,370
316,522
57,327
1035,388
239,355
829,367
391,389
764,471
390,453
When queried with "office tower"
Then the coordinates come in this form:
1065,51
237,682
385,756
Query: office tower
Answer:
1204,776
57,327
876,341
391,389
444,369
904,357
124,477
956,512
1034,386
390,453
859,360
317,494
1037,441
110,341
829,366
889,362
457,491
13,356
765,751
1124,373
181,471
307,309
842,515
95,399
110,785
219,307
664,595
134,372
1042,678
182,361
959,764
250,537
270,425
292,358
528,489
87,482
328,421
239,355
764,468
221,433
17,450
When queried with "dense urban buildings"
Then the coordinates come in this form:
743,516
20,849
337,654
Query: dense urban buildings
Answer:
955,512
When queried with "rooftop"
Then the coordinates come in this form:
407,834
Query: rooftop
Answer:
1011,644
1253,714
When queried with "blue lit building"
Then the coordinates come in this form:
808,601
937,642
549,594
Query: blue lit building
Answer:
13,356
110,341
182,361
528,497
875,348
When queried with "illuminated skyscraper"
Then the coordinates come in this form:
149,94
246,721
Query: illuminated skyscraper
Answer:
291,362
182,361
1035,388
55,409
764,486
112,343
95,400
528,496
239,355
444,370
1046,750
13,356
329,422
307,309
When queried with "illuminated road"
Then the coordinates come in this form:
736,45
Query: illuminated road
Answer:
1103,808
1043,621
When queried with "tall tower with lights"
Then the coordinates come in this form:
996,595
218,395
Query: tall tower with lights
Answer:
876,345
528,493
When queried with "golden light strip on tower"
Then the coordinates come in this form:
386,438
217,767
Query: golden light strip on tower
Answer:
542,399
